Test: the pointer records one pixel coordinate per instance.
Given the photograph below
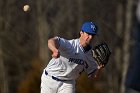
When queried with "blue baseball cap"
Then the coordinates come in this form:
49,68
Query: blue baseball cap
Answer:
89,27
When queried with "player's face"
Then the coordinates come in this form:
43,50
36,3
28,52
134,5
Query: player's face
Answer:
86,38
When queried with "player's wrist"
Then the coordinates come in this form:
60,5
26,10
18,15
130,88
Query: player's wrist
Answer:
56,54
100,66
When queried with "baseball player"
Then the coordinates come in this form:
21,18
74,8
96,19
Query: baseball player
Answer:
69,59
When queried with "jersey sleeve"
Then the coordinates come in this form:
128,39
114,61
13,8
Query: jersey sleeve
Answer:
92,66
64,45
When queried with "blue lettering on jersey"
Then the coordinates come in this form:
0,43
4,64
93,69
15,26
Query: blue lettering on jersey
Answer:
78,61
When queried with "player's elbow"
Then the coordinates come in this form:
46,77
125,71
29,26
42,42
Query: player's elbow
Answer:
49,41
53,42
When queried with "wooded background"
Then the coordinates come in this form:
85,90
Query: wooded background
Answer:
23,40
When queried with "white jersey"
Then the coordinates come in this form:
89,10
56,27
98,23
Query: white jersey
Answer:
72,61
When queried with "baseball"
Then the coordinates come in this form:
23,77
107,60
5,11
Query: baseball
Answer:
26,8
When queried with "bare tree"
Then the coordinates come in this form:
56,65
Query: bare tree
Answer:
43,29
3,77
118,54
127,42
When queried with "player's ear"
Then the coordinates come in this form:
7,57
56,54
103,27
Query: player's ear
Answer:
81,32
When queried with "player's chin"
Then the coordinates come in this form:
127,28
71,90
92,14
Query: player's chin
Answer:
88,43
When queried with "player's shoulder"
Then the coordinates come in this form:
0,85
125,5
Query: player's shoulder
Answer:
73,42
62,38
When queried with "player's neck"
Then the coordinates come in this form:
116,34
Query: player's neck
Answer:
85,46
82,43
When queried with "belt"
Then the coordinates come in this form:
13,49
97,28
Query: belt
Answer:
54,78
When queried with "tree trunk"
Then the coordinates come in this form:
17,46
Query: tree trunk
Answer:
3,77
43,31
118,55
126,44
